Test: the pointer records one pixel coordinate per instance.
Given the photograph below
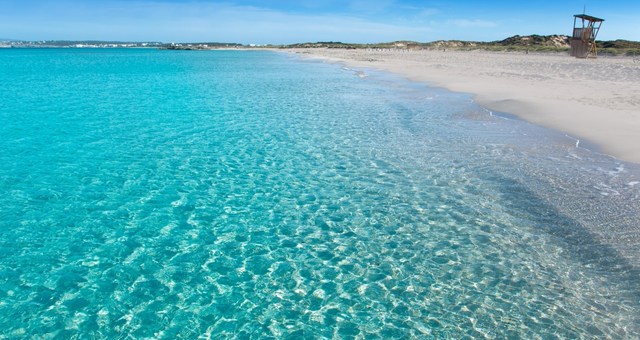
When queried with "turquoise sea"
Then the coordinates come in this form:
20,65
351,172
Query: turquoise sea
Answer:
256,194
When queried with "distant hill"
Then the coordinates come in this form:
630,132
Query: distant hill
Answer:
559,41
556,41
618,44
535,40
526,43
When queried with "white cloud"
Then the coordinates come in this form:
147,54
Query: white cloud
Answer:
370,6
472,23
427,12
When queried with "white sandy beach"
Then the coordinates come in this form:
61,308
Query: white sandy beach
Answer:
597,100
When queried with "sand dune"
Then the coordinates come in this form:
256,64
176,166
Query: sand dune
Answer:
597,100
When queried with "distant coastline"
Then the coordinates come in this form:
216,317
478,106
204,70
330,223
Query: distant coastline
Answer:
75,44
517,43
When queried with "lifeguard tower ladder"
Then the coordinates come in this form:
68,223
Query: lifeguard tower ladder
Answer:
585,30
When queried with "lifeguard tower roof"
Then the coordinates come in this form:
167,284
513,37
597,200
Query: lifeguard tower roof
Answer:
588,17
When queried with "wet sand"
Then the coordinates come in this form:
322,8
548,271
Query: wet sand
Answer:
594,100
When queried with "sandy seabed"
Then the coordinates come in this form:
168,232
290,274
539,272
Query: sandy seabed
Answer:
596,100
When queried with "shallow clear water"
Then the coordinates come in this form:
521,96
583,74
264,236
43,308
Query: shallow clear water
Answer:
175,194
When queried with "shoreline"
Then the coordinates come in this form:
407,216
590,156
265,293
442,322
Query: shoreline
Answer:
596,101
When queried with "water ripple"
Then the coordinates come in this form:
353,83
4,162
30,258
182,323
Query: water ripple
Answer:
228,194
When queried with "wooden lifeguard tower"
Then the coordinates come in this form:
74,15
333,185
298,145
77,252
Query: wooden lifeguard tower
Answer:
585,30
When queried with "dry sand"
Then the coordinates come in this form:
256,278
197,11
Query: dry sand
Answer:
597,100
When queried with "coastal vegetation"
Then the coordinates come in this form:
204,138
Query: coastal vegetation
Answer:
517,43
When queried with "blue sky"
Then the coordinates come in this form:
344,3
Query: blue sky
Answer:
289,21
